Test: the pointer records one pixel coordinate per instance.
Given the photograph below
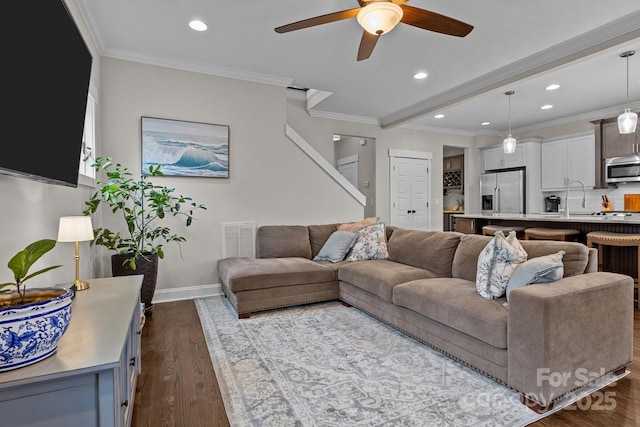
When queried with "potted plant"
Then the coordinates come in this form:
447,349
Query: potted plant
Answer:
34,320
143,205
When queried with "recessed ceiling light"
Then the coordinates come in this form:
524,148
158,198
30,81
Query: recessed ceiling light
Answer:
420,75
546,107
439,116
552,87
336,137
198,25
485,123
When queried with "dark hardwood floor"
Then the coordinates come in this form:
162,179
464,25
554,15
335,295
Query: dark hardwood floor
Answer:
178,388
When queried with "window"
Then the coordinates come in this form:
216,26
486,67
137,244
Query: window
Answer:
87,155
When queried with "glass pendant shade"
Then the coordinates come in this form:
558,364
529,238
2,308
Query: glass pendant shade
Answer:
380,17
509,145
627,122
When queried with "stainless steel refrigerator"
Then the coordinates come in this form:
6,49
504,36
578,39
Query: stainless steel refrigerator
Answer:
503,192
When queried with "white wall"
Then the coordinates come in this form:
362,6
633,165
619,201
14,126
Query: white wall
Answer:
271,180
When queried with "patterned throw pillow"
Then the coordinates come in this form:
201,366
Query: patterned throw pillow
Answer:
371,244
496,264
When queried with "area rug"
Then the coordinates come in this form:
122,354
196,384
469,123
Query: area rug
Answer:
329,365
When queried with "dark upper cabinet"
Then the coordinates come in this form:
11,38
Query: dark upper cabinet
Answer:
616,145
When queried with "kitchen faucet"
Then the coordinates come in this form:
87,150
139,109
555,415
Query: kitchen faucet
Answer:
566,196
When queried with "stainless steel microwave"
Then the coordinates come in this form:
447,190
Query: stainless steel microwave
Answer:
623,169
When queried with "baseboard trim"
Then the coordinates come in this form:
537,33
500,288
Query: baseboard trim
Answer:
187,292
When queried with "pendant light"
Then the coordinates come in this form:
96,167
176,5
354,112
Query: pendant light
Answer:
627,121
509,144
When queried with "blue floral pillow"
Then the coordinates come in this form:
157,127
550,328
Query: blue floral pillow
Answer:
496,263
370,244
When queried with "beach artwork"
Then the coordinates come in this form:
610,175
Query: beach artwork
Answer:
185,148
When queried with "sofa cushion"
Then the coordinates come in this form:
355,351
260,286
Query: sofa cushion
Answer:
318,235
431,250
279,241
244,274
574,261
337,246
380,276
370,244
456,303
465,260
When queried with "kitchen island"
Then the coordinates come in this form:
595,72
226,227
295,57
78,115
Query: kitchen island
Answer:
617,259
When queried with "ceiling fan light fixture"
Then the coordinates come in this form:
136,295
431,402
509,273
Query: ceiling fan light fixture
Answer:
627,121
380,17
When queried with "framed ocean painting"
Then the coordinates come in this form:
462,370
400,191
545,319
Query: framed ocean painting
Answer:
185,148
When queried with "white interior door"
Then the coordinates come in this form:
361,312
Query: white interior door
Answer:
348,167
409,189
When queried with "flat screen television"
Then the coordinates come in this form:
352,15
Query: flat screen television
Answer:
46,67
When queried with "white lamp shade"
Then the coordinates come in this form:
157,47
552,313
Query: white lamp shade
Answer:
75,229
509,145
380,17
627,122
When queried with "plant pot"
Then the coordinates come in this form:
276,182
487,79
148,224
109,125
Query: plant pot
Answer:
30,332
146,265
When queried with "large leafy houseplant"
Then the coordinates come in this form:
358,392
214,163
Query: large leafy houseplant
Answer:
143,205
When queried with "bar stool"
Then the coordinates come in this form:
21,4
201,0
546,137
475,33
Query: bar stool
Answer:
490,230
606,238
539,233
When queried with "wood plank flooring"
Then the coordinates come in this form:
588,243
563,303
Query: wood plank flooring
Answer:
178,388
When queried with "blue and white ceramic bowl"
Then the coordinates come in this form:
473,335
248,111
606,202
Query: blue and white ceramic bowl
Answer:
30,332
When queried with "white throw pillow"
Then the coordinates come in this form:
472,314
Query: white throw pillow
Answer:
496,264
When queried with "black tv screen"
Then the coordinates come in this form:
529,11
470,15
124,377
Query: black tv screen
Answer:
46,70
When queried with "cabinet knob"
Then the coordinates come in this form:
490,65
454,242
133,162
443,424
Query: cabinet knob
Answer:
125,403
132,361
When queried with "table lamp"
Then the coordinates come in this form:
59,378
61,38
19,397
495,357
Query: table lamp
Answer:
76,229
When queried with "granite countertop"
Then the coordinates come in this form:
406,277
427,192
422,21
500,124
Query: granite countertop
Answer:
452,211
559,217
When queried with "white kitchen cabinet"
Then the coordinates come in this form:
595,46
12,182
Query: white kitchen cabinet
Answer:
90,380
495,158
568,159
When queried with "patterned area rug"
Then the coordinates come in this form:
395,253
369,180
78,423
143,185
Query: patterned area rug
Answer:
329,365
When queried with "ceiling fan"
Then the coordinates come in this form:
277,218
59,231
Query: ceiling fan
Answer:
378,17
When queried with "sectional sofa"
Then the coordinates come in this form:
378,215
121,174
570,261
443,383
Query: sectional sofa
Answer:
577,328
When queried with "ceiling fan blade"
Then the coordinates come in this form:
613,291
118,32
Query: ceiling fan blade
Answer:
367,43
432,21
319,20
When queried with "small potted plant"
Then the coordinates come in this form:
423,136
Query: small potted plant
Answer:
143,205
34,320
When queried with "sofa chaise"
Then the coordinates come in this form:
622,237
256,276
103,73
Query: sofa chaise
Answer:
578,327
